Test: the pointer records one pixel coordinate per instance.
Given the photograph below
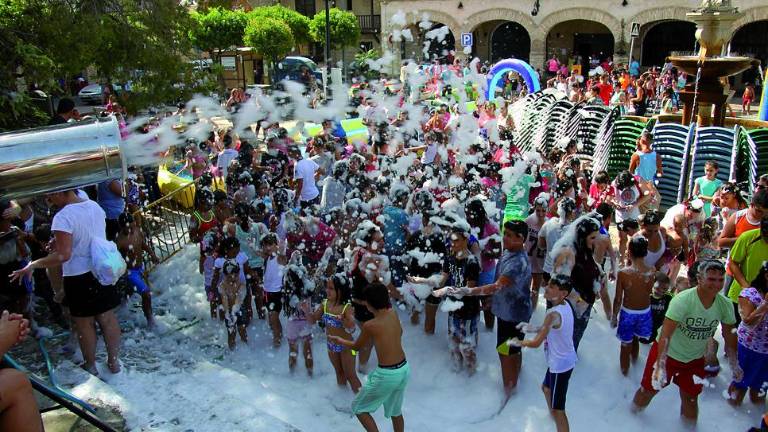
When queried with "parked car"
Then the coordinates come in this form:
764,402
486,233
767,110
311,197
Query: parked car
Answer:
93,93
290,68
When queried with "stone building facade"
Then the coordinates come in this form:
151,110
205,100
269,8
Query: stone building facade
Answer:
503,28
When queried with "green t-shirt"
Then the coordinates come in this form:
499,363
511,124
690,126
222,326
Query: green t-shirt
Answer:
749,252
517,199
708,187
695,324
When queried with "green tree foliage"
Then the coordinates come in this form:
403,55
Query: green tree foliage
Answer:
270,37
45,43
298,23
361,65
217,29
345,30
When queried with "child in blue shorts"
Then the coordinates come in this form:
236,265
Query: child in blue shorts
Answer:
386,384
634,285
132,245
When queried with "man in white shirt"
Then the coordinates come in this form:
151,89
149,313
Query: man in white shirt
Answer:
305,174
226,156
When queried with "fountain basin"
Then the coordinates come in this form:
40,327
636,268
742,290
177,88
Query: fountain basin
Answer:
713,67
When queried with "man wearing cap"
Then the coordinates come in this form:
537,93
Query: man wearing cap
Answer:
747,256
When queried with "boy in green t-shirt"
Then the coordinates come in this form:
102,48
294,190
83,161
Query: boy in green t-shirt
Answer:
707,185
678,354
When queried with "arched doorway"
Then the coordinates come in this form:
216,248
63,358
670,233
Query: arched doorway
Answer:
498,39
580,39
752,40
510,40
665,37
439,43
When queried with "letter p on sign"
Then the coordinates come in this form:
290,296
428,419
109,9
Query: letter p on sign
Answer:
466,39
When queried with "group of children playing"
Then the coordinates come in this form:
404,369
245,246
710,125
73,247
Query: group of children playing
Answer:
442,234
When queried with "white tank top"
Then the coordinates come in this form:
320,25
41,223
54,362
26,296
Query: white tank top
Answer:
653,257
561,356
669,218
273,276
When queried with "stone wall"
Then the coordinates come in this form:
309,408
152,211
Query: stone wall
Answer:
610,13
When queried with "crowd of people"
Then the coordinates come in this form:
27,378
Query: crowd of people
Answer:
624,86
417,221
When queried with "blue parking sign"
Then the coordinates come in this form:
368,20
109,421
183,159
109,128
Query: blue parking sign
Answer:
466,39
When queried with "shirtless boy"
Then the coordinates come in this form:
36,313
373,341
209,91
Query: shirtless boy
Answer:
232,294
132,245
633,296
386,384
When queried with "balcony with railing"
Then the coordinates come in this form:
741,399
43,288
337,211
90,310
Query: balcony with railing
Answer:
369,24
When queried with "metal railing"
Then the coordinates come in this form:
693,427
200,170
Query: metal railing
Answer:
165,223
369,23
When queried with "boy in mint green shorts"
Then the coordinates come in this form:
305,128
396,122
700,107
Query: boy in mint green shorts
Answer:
386,384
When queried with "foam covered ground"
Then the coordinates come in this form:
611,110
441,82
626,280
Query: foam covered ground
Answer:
183,378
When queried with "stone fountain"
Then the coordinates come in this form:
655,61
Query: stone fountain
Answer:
706,95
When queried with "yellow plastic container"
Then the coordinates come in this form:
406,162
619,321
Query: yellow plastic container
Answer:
169,182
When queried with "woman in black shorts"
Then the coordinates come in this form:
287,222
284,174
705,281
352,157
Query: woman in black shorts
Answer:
78,221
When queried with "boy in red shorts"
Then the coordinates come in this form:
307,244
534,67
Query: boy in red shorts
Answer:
678,353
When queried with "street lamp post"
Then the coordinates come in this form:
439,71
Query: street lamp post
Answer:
327,44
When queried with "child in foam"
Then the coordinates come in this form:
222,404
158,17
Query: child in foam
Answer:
511,300
274,269
682,222
335,314
297,299
132,245
232,293
536,254
753,340
660,298
461,268
386,384
633,298
229,250
209,247
557,335
630,192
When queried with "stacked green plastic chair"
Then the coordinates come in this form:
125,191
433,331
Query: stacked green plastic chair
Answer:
603,139
589,119
557,124
539,112
759,164
670,141
523,119
742,167
711,143
623,144
530,118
